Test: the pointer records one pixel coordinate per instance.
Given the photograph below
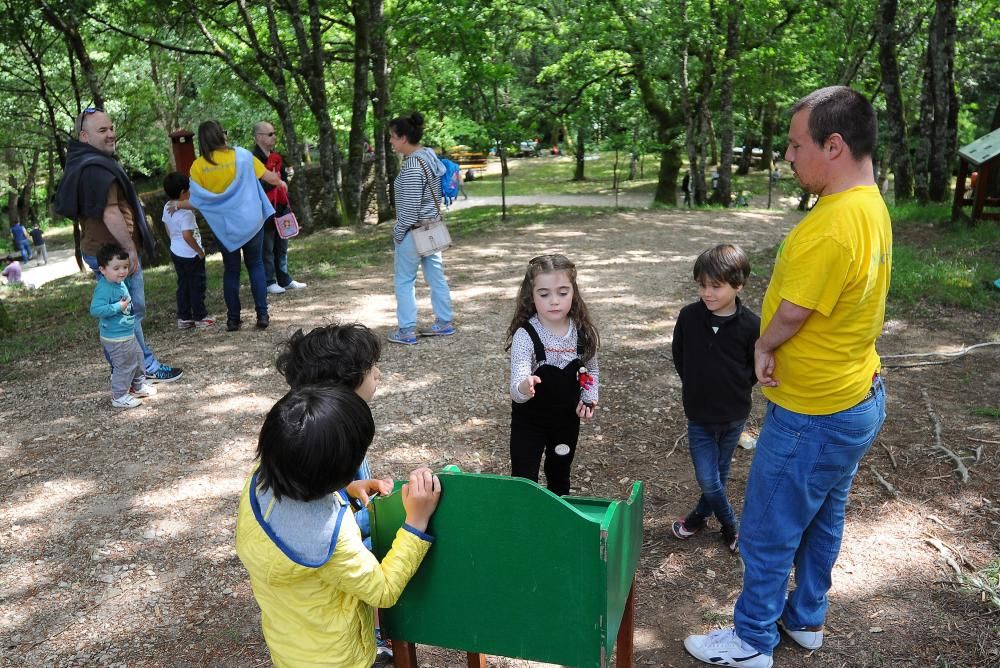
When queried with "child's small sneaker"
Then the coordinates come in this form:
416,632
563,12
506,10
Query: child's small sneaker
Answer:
126,401
185,324
439,329
204,322
144,390
407,337
683,531
731,537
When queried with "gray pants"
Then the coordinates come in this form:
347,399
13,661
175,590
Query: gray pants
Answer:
41,253
127,366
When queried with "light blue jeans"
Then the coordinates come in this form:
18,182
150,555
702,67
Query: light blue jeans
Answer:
793,514
407,261
712,454
137,290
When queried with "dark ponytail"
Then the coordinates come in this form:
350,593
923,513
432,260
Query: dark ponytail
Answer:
411,127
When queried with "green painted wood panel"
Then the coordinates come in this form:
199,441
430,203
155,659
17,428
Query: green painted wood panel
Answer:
517,571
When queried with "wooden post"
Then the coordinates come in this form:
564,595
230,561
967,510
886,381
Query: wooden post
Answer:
626,631
982,185
404,654
959,201
475,660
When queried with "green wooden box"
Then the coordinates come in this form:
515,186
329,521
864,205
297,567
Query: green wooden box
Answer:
517,571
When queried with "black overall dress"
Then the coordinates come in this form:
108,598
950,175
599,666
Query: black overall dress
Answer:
547,420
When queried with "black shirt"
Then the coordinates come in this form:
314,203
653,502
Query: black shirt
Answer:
716,368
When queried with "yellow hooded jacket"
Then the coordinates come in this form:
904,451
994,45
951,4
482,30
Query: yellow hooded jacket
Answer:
320,613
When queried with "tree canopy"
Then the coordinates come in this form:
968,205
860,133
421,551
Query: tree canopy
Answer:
690,81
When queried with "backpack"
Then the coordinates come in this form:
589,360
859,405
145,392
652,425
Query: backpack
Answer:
450,181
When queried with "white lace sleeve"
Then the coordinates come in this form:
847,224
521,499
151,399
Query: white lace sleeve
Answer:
522,363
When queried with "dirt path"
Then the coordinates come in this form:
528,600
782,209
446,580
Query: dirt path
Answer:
116,546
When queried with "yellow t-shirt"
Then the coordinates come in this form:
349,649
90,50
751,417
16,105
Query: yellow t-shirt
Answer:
216,178
837,262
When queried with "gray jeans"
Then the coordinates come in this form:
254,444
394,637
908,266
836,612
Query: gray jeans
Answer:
127,365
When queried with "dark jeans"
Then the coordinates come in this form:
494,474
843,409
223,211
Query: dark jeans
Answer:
190,287
275,256
252,255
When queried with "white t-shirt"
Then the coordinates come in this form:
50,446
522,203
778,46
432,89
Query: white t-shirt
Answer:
176,223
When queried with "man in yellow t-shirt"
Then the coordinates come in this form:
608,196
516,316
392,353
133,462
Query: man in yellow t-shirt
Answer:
817,364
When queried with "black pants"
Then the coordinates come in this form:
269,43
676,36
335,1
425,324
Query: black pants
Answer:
190,287
531,438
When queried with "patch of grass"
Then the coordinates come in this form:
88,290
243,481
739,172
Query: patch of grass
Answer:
57,315
951,265
553,176
984,584
988,411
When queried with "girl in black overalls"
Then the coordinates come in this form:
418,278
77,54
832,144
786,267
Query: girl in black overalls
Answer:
553,371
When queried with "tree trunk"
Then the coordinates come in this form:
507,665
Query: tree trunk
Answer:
380,106
70,30
579,152
940,52
922,152
896,115
768,128
359,110
726,103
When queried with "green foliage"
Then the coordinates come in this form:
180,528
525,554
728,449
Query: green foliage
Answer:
984,584
989,411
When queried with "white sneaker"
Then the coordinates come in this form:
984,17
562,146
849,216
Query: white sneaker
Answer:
275,289
295,285
145,390
805,639
126,401
724,648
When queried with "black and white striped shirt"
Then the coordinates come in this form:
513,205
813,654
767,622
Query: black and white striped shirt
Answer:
414,200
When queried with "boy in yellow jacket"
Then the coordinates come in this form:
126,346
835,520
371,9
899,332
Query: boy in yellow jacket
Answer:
314,580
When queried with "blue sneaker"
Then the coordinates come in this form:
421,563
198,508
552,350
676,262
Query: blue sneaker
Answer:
407,337
165,374
438,329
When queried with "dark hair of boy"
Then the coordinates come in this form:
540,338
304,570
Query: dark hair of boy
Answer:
313,441
332,354
109,252
175,184
725,263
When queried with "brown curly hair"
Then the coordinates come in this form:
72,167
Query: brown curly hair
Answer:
524,307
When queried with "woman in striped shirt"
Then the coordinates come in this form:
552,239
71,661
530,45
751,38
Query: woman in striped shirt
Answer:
418,193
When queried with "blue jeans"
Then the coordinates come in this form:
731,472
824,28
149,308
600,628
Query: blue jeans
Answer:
252,255
137,290
25,250
712,453
406,262
793,514
275,256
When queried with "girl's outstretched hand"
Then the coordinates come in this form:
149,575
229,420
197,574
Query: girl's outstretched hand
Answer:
420,497
527,386
584,411
363,489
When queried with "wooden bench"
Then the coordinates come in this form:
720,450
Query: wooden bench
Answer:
467,159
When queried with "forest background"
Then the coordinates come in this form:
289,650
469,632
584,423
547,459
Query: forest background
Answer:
684,81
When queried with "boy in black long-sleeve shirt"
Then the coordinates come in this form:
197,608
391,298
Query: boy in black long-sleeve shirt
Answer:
713,353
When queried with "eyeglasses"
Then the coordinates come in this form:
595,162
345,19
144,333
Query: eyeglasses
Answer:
83,115
267,134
